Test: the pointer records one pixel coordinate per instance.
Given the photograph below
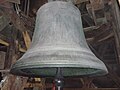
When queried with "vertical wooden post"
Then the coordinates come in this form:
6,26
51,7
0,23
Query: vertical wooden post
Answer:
115,12
13,82
10,51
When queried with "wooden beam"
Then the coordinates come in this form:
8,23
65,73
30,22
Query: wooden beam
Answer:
107,37
51,85
92,89
91,28
5,70
115,12
2,59
14,1
100,38
27,39
80,1
4,42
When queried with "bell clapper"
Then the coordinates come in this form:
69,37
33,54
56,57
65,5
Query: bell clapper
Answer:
59,80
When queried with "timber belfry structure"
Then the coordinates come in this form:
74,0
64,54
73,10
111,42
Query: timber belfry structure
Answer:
59,44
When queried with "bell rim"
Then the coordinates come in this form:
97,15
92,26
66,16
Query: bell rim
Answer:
18,71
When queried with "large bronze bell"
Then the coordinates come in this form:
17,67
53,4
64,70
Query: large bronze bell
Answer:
58,42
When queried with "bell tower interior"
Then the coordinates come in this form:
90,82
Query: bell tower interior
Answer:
59,45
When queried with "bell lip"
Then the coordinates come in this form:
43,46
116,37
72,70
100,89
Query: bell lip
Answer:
17,68
19,72
23,63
